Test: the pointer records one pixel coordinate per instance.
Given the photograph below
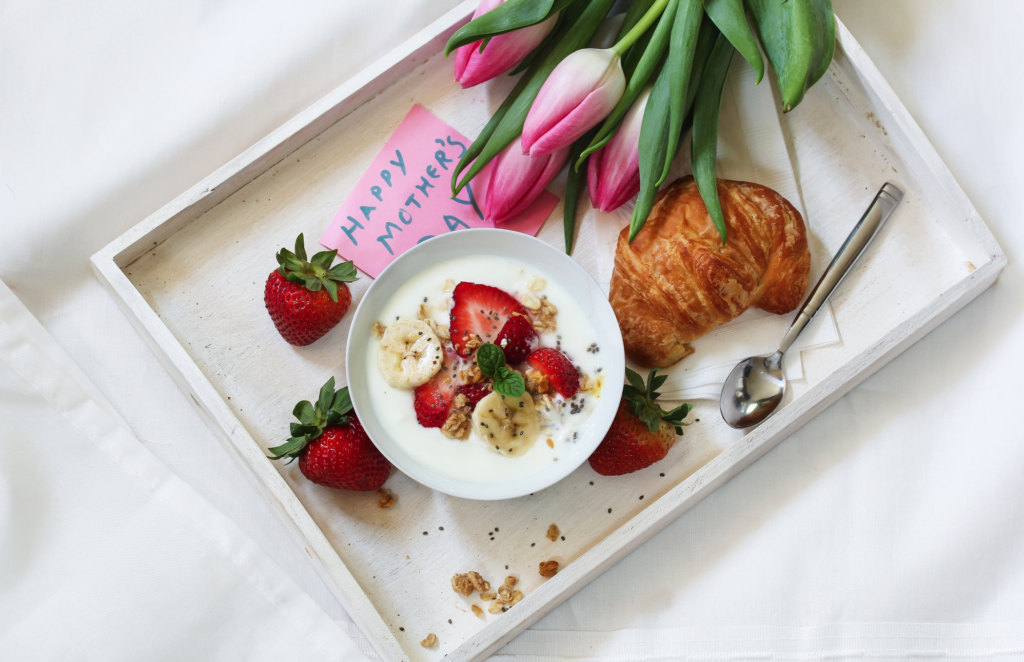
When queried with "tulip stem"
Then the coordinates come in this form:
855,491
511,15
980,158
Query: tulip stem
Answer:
646,21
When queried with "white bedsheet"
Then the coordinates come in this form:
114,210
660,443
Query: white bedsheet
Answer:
892,526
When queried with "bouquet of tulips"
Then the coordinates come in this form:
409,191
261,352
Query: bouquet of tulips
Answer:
620,114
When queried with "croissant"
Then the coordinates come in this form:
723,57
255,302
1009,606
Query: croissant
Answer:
676,281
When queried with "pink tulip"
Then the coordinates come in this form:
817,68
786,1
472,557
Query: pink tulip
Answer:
503,51
516,180
613,172
581,91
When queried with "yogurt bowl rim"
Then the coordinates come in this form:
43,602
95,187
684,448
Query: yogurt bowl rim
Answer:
536,254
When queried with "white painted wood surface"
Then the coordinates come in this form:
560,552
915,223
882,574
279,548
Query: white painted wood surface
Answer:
190,278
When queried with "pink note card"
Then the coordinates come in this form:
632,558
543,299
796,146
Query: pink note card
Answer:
405,197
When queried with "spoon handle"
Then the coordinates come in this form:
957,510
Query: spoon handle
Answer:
881,208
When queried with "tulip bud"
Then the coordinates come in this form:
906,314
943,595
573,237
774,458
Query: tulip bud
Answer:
502,52
613,172
517,179
581,91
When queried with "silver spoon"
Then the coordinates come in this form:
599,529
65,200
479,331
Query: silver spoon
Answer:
754,389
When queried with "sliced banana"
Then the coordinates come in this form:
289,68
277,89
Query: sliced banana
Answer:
508,425
409,354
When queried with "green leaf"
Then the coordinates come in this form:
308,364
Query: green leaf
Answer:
633,394
509,383
635,379
704,148
344,272
506,17
304,412
300,247
334,418
576,35
652,57
324,258
652,148
331,287
292,277
342,401
679,64
651,376
799,38
731,20
576,180
490,359
650,418
290,448
299,430
313,285
323,403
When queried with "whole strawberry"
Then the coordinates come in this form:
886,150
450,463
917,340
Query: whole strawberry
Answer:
307,298
642,432
332,447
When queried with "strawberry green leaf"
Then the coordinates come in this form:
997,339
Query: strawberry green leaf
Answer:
324,258
304,412
323,403
342,401
331,287
344,272
300,247
290,448
635,379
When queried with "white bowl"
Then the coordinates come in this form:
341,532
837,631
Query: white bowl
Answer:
554,265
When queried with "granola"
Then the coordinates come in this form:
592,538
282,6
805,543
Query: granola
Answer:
544,316
387,498
430,641
536,381
477,610
506,597
378,330
548,568
552,533
465,584
471,375
459,423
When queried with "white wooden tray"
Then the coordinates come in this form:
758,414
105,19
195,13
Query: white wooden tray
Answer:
190,277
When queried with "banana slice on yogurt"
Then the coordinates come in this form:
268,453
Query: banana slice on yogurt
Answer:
508,425
410,353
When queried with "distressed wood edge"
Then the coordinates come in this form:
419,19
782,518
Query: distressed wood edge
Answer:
725,466
290,136
880,88
249,456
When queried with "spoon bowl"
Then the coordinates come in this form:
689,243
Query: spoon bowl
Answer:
753,391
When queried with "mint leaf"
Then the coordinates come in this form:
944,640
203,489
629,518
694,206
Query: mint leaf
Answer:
490,359
509,382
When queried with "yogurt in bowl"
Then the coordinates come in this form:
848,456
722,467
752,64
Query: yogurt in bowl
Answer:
423,364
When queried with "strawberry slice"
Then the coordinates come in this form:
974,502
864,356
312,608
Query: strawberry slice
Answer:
479,312
475,392
433,400
516,338
561,373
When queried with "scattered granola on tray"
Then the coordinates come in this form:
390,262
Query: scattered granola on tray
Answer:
548,568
